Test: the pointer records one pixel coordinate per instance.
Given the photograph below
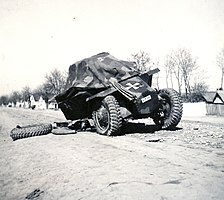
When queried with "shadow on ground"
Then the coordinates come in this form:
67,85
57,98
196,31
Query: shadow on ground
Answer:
131,128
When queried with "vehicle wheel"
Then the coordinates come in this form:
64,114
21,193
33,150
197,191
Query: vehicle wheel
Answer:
30,131
171,109
107,118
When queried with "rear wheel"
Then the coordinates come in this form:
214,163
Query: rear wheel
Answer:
171,109
107,118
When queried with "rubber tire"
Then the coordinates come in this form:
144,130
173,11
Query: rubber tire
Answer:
63,131
176,109
30,131
115,119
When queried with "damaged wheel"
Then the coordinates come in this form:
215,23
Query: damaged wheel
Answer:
30,131
171,109
107,118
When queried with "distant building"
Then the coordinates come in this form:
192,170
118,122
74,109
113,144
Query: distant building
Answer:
214,102
9,104
37,102
26,104
19,104
52,104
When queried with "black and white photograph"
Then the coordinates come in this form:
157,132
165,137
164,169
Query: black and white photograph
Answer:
111,100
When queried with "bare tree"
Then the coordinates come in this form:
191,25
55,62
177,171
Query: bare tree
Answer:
155,64
169,65
142,60
26,92
220,62
188,64
198,89
174,69
15,97
55,82
42,91
182,64
4,100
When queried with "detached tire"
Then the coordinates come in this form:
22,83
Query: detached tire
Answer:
171,108
107,118
30,131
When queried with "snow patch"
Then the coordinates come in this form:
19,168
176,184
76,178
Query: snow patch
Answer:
194,109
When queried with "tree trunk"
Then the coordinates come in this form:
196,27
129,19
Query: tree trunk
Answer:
179,86
186,91
186,88
222,80
167,85
171,79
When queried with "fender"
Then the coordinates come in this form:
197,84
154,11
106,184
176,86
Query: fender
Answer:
102,94
147,76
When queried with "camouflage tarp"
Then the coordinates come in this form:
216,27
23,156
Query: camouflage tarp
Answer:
98,71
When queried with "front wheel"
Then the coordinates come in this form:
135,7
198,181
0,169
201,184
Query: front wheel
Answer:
107,118
170,110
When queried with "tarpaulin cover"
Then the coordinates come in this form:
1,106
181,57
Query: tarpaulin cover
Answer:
98,71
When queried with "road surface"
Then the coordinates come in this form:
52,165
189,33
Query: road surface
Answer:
144,163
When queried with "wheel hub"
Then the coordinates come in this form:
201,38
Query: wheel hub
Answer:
103,118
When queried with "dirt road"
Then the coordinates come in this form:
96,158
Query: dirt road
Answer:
187,163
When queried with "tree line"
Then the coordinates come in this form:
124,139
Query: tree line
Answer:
54,84
180,68
181,72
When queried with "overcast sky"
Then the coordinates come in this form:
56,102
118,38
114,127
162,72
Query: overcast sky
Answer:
37,36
